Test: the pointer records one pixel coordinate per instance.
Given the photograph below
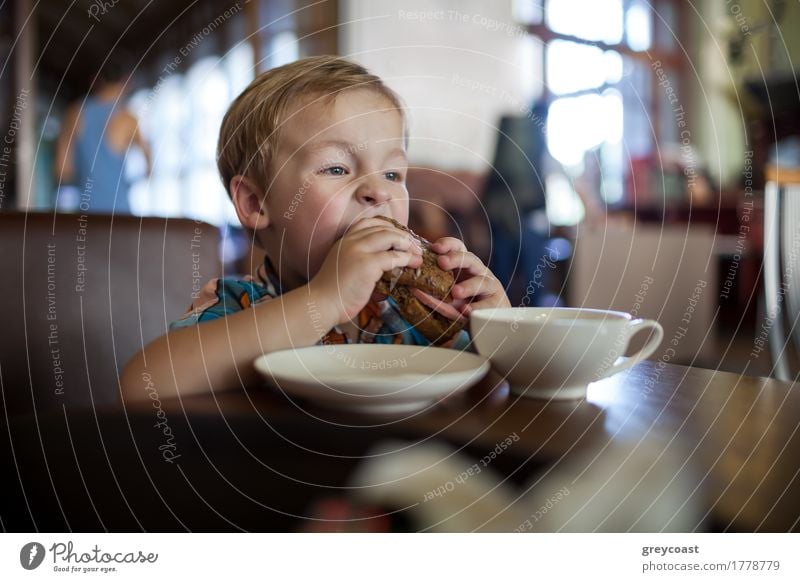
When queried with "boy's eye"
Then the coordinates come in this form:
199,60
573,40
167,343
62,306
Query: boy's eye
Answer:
394,176
334,171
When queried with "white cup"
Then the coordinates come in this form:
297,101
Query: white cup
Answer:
555,352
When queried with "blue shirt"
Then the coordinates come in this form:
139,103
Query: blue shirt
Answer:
379,322
99,170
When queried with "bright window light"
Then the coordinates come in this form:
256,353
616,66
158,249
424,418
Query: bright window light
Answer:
238,67
572,66
589,19
530,58
612,151
527,11
613,116
578,124
564,207
208,99
284,49
180,119
613,66
638,25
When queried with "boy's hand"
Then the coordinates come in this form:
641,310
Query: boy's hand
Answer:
358,260
476,287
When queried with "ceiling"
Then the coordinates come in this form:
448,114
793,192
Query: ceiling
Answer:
74,38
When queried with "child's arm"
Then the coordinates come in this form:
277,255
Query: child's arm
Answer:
219,354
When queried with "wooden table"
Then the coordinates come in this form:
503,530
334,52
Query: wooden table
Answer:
710,450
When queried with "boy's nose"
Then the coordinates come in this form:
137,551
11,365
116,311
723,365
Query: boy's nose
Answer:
372,191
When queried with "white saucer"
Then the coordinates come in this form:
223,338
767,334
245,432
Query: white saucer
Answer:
372,377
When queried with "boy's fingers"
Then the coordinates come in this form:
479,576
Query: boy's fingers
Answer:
459,303
476,286
415,261
486,303
380,238
483,304
386,259
389,260
448,244
464,261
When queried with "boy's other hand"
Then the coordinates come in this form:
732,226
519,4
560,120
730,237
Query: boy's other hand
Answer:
358,260
476,287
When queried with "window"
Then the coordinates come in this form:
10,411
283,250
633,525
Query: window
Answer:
600,76
283,48
180,118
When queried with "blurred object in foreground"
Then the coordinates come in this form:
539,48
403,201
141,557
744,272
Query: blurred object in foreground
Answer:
440,489
594,494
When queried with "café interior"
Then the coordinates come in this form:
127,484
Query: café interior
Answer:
662,141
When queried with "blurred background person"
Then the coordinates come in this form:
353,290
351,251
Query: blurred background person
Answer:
94,143
516,203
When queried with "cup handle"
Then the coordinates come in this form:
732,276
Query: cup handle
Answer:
637,325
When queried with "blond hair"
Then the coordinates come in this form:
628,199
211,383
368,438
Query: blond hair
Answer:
250,129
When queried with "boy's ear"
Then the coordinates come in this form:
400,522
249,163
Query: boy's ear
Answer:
248,199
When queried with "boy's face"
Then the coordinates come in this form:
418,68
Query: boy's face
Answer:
335,163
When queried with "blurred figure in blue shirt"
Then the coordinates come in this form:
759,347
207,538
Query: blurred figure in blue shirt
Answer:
92,147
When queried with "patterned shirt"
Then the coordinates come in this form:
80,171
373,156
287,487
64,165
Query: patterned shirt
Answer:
379,322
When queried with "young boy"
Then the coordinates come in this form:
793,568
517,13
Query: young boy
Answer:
311,153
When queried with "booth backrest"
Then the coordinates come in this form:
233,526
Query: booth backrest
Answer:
666,273
82,293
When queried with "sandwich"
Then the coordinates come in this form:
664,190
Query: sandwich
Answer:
423,295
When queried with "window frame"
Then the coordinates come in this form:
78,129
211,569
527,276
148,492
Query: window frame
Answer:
673,62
